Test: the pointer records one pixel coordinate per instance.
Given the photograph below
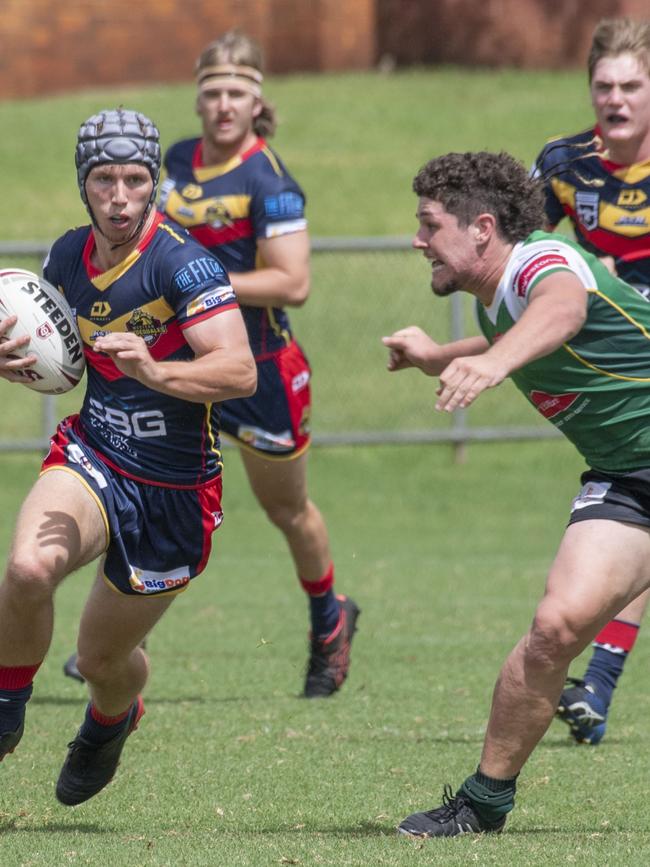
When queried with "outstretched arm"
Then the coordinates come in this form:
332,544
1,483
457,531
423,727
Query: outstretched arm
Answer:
556,312
411,347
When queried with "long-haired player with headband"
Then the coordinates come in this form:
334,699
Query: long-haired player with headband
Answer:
600,180
234,194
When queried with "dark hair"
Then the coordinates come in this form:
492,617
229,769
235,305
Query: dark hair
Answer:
614,36
470,184
238,48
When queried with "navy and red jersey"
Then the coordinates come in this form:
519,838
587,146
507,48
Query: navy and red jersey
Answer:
608,204
227,208
168,283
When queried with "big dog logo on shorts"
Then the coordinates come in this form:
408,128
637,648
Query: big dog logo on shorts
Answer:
148,581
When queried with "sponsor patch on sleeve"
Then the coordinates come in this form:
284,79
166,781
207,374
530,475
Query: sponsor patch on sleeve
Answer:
209,300
283,206
200,272
535,267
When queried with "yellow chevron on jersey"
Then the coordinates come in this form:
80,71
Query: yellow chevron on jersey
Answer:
138,318
213,211
634,174
104,280
208,173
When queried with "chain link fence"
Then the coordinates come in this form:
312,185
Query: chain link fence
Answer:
362,289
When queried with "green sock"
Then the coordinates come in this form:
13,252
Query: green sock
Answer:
491,798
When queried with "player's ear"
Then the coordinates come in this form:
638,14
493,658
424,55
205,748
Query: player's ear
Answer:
257,107
483,227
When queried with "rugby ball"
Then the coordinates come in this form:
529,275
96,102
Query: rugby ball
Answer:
43,314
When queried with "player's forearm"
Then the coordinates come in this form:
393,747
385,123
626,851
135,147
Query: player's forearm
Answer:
271,287
212,378
445,353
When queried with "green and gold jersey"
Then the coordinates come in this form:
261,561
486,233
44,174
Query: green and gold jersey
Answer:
596,387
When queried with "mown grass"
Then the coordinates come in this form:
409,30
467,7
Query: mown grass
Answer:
229,766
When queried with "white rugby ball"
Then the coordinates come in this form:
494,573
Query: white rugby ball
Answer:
43,314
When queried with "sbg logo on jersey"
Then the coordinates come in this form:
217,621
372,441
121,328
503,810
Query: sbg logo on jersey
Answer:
587,209
146,326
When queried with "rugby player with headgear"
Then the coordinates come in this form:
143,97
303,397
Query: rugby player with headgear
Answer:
133,479
235,196
600,180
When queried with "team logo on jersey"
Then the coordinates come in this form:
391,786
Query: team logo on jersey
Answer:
587,209
100,310
551,405
631,198
534,267
146,326
217,214
192,192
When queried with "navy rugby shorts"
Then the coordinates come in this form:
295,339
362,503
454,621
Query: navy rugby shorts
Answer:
159,538
623,497
274,422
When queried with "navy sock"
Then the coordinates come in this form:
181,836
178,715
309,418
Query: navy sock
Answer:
12,707
324,612
603,672
98,732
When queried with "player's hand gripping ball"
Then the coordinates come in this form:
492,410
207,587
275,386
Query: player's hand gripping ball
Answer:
43,314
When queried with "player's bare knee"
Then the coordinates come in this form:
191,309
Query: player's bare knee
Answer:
30,575
288,516
552,641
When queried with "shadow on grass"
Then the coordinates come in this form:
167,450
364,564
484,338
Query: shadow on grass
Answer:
17,826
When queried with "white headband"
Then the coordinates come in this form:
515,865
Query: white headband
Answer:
247,77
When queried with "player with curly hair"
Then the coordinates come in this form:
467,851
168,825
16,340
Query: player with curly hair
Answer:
574,339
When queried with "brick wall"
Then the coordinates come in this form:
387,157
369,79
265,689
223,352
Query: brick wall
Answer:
521,33
56,45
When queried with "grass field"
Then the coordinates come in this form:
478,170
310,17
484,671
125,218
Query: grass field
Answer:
229,767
